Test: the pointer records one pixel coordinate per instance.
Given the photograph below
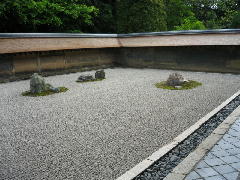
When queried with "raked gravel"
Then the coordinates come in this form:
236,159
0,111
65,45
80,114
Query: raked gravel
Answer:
99,130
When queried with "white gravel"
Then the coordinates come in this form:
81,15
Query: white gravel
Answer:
99,130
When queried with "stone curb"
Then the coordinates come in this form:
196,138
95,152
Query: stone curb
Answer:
186,166
193,158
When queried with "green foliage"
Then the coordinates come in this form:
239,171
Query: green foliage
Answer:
214,13
191,23
116,16
105,22
45,93
141,16
236,20
45,15
186,85
176,11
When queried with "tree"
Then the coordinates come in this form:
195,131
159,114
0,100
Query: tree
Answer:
116,16
214,13
141,16
105,22
45,16
236,20
176,11
191,23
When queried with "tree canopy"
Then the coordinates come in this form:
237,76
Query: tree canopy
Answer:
45,15
141,16
117,16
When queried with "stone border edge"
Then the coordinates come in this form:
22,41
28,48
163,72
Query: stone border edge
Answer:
222,128
186,166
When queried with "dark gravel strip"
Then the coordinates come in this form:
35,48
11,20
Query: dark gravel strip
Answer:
160,169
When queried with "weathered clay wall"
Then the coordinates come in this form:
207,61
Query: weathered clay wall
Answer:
13,64
209,50
193,58
34,44
181,40
16,45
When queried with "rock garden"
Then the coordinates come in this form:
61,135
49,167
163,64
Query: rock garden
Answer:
100,130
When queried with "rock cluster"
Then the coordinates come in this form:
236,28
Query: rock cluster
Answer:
175,79
100,74
38,85
84,78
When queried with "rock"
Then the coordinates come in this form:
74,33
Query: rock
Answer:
86,77
100,74
175,79
49,86
53,89
37,84
174,158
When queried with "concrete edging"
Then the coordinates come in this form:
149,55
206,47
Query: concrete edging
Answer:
191,159
186,166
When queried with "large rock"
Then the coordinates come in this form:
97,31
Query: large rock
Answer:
100,74
37,84
175,79
84,78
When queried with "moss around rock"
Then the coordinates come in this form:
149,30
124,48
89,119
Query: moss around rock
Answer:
186,85
44,93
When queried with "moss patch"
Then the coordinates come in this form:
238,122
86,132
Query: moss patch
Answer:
45,93
187,85
90,80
